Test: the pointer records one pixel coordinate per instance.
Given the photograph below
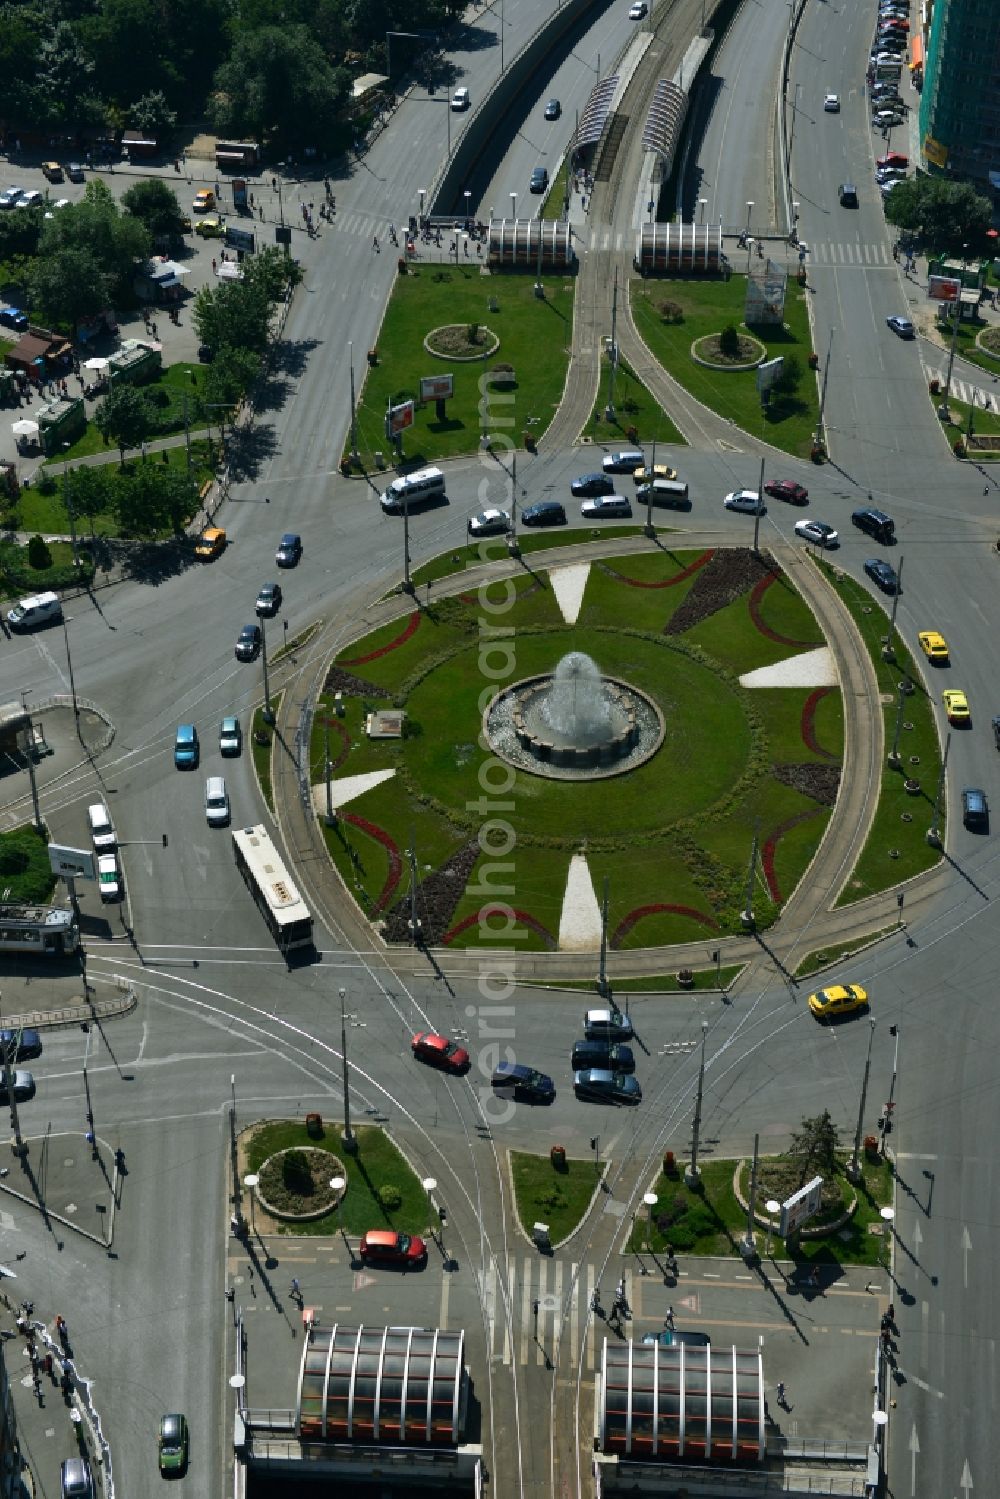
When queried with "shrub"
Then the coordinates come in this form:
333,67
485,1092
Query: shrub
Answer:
39,555
671,312
295,1174
473,333
46,483
729,341
390,1197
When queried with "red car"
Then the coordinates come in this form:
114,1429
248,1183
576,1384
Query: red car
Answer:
788,490
440,1052
383,1246
893,159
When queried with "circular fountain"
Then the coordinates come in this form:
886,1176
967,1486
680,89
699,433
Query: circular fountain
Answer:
574,723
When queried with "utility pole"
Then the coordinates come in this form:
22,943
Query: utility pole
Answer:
894,752
407,580
609,411
692,1175
330,815
943,411
237,1195
756,517
749,1247
414,922
894,1032
30,759
539,288
854,1168
887,649
933,832
348,1141
268,713
747,916
603,987
354,409
818,437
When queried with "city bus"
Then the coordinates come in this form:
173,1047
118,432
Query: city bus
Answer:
49,930
281,905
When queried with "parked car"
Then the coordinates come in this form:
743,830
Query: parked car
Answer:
882,574
439,1051
204,199
109,878
20,1045
606,1087
269,600
787,490
75,1481
900,325
656,471
75,172
514,1080
230,736
749,501
591,484
626,461
492,522
545,513
248,643
29,198
186,749
383,1246
838,1000
289,550
211,227
818,532
613,1056
9,197
24,1086
893,159
13,317
607,507
607,1025
172,1443
52,171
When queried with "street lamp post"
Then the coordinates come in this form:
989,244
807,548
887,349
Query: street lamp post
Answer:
702,205
338,1184
429,1185
66,621
354,409
513,206
894,1033
250,1182
349,1141
749,211
692,1174
421,194
854,1168
943,411
69,510
268,713
467,195
650,1199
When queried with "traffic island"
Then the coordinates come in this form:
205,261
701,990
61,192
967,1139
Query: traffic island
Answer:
555,1190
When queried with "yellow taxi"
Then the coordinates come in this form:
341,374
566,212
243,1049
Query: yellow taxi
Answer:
956,705
204,199
657,471
934,646
839,999
210,544
52,171
211,227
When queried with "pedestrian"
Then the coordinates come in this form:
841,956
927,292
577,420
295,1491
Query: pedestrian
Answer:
890,1314
214,265
294,1288
251,200
780,1393
668,1320
261,211
375,244
814,1277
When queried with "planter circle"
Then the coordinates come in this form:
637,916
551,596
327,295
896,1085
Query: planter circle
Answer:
755,354
893,853
907,725
914,759
490,343
321,1199
911,786
906,817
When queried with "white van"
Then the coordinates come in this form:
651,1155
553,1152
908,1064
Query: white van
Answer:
216,802
460,99
670,492
412,490
102,833
39,609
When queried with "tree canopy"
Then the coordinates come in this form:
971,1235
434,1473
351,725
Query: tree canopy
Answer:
947,215
278,82
154,203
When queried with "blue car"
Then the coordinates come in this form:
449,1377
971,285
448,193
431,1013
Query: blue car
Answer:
186,751
514,1080
13,317
20,1045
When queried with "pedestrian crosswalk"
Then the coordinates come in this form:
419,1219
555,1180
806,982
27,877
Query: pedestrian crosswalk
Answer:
847,253
964,390
538,1310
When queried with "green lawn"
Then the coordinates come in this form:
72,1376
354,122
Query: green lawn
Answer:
544,1194
896,848
43,512
535,335
530,543
552,207
179,382
18,577
708,306
712,1221
654,983
262,751
638,417
822,957
377,1164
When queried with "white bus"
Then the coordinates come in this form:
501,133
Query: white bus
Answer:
281,905
49,930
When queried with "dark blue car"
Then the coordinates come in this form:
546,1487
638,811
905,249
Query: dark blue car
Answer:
20,1045
514,1080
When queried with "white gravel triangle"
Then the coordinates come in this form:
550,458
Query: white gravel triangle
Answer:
348,788
810,669
580,921
569,584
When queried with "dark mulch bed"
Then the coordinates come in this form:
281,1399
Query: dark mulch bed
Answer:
821,782
722,580
437,898
339,680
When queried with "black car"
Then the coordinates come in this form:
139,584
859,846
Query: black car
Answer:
24,1086
604,1086
20,1045
610,1055
553,109
545,513
975,810
248,643
539,180
289,550
514,1080
269,600
75,172
589,484
882,573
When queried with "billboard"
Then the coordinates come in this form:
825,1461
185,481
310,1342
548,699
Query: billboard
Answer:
72,863
943,288
769,373
437,387
936,153
398,418
240,239
800,1207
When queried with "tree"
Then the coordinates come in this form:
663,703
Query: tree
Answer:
154,204
271,272
151,498
89,489
69,284
116,240
232,315
65,76
815,1147
228,379
153,116
123,418
947,215
278,83
20,48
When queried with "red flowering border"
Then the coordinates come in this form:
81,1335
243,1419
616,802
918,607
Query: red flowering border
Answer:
345,741
412,626
693,567
395,862
625,926
524,917
808,728
771,845
756,598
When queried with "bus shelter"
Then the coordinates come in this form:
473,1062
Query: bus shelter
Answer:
679,249
516,242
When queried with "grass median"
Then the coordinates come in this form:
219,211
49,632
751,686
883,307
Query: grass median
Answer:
556,1194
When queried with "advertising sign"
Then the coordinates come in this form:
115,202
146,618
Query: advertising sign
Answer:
943,288
936,153
398,418
769,373
72,863
800,1207
437,387
240,239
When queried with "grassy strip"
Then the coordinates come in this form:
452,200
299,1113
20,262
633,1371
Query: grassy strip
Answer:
822,957
535,335
710,1219
449,563
43,509
377,1164
638,417
707,307
544,1194
262,752
653,983
179,382
877,868
18,577
558,192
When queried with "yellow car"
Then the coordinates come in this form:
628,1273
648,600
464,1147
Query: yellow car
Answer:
658,471
211,227
204,199
934,646
210,544
956,705
840,999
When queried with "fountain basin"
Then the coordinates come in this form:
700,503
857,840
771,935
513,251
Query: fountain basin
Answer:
624,734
